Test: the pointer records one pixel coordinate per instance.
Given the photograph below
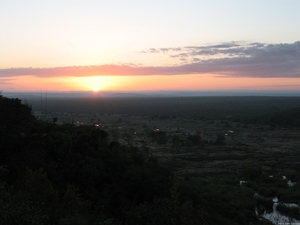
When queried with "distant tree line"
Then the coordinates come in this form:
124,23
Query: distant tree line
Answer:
287,118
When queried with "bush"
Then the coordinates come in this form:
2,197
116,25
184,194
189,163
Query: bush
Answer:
250,172
291,212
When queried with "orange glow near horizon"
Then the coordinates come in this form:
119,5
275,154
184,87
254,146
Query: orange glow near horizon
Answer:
185,82
149,83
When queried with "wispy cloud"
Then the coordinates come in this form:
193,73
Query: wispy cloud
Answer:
6,81
235,59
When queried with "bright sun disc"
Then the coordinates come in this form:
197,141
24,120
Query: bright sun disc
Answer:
95,89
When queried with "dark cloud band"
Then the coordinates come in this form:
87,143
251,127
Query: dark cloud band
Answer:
227,59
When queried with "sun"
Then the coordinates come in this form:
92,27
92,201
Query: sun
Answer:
95,89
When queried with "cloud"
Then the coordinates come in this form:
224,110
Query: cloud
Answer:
233,59
6,81
161,50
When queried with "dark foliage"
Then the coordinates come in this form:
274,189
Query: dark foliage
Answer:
54,174
61,174
286,118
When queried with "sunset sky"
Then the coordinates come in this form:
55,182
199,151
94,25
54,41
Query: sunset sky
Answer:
136,45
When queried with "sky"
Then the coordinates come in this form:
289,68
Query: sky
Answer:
139,45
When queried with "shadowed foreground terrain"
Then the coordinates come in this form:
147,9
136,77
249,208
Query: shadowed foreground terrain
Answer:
155,161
